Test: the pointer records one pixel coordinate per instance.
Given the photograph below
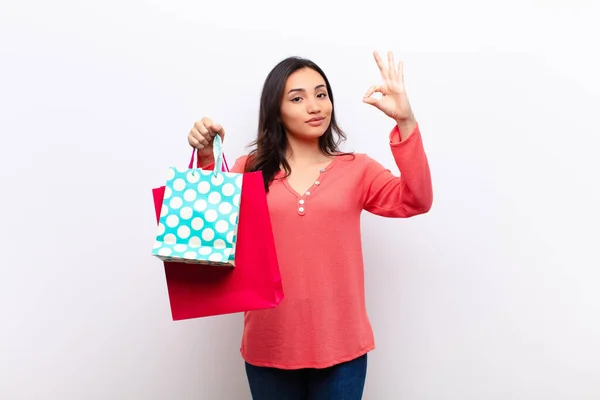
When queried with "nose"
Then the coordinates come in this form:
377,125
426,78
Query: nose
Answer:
313,107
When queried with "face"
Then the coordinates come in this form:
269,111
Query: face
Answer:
306,107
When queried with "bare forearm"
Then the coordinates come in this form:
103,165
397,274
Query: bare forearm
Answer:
406,127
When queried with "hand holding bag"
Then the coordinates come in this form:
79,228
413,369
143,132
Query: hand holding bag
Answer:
199,215
255,283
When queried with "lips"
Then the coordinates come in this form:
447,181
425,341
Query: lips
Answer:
316,119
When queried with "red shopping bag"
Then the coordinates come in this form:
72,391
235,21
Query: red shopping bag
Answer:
255,282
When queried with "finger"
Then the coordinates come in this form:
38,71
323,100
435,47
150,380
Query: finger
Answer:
379,61
204,138
391,65
200,137
372,89
212,130
206,121
218,130
200,126
194,142
204,132
372,101
196,139
194,134
401,71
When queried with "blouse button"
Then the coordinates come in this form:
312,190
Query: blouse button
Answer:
301,202
301,211
322,169
317,183
308,193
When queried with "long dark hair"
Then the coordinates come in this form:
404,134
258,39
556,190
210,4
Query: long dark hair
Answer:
269,156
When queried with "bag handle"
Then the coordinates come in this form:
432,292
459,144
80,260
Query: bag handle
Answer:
220,160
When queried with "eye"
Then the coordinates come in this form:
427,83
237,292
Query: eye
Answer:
296,99
322,95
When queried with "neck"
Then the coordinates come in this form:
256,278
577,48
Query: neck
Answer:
304,151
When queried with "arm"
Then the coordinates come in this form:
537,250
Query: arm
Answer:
399,197
411,193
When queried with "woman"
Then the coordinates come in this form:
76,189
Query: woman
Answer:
314,345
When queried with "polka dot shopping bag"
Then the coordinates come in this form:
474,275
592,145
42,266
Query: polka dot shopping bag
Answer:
196,287
199,214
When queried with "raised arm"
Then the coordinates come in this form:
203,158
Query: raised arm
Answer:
410,193
403,196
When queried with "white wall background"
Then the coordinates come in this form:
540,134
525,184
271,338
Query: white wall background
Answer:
491,296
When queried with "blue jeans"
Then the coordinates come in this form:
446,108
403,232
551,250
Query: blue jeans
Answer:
344,381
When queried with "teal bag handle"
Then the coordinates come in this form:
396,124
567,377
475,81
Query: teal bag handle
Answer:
218,154
220,160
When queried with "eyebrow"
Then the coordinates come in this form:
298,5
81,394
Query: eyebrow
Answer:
303,90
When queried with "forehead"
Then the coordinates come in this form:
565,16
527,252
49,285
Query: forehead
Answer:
305,78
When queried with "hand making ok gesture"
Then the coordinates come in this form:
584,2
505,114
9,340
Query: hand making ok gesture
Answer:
393,102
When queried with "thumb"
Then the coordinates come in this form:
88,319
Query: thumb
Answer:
367,98
218,129
372,101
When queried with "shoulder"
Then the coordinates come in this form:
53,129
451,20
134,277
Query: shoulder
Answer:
357,160
239,165
242,159
361,166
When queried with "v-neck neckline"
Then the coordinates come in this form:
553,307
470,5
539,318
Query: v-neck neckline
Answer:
314,185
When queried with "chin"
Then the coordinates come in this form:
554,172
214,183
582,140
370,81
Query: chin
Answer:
312,134
309,133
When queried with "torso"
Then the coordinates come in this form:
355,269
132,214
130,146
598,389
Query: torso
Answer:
315,219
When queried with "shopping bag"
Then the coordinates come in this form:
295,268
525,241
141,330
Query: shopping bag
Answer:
254,284
199,214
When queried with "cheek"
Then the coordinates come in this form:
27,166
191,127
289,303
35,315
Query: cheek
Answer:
291,117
